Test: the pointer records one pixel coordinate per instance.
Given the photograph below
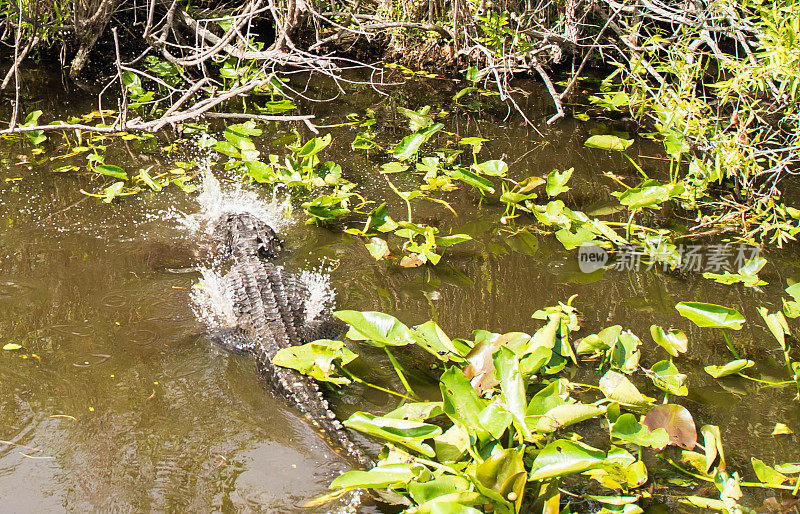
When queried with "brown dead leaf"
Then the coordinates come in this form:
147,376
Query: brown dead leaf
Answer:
677,421
480,370
414,260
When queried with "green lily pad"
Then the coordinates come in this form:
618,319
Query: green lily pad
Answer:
711,315
731,368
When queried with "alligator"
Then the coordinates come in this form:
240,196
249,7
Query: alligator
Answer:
269,307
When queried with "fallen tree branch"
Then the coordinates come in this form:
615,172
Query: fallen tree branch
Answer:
553,93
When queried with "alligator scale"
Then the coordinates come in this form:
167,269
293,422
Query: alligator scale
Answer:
269,307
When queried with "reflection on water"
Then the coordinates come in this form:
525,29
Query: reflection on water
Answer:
123,404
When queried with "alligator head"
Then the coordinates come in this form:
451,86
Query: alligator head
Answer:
243,235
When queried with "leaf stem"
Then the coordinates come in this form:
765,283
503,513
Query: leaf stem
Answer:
399,370
744,484
730,344
374,386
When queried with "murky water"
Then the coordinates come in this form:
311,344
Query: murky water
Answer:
118,401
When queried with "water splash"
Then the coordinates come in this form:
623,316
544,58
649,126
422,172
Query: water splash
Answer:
211,302
215,200
320,293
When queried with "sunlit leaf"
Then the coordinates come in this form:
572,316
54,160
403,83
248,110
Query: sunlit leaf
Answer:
557,182
628,429
712,442
506,365
674,341
608,142
410,144
432,338
731,368
12,346
619,389
665,376
563,416
563,457
782,429
316,359
711,315
111,171
767,474
378,477
503,473
495,168
409,433
314,146
375,326
378,248
418,411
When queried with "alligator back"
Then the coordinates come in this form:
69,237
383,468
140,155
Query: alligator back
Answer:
270,309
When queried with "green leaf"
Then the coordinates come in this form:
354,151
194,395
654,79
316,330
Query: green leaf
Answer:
572,240
625,354
314,146
781,429
113,191
703,503
469,178
631,431
12,346
316,359
495,168
148,180
475,142
407,432
608,142
416,120
556,182
555,394
563,415
503,473
619,389
506,365
474,74
666,377
767,474
423,492
459,400
730,368
433,339
562,457
712,442
227,148
111,171
711,315
379,477
378,248
377,327
523,242
393,167
410,144
448,241
380,220
776,324
674,341
794,291
650,194
418,411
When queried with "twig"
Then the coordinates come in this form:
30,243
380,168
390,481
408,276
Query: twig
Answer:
553,94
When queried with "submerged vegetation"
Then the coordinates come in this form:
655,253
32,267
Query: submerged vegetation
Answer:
713,85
